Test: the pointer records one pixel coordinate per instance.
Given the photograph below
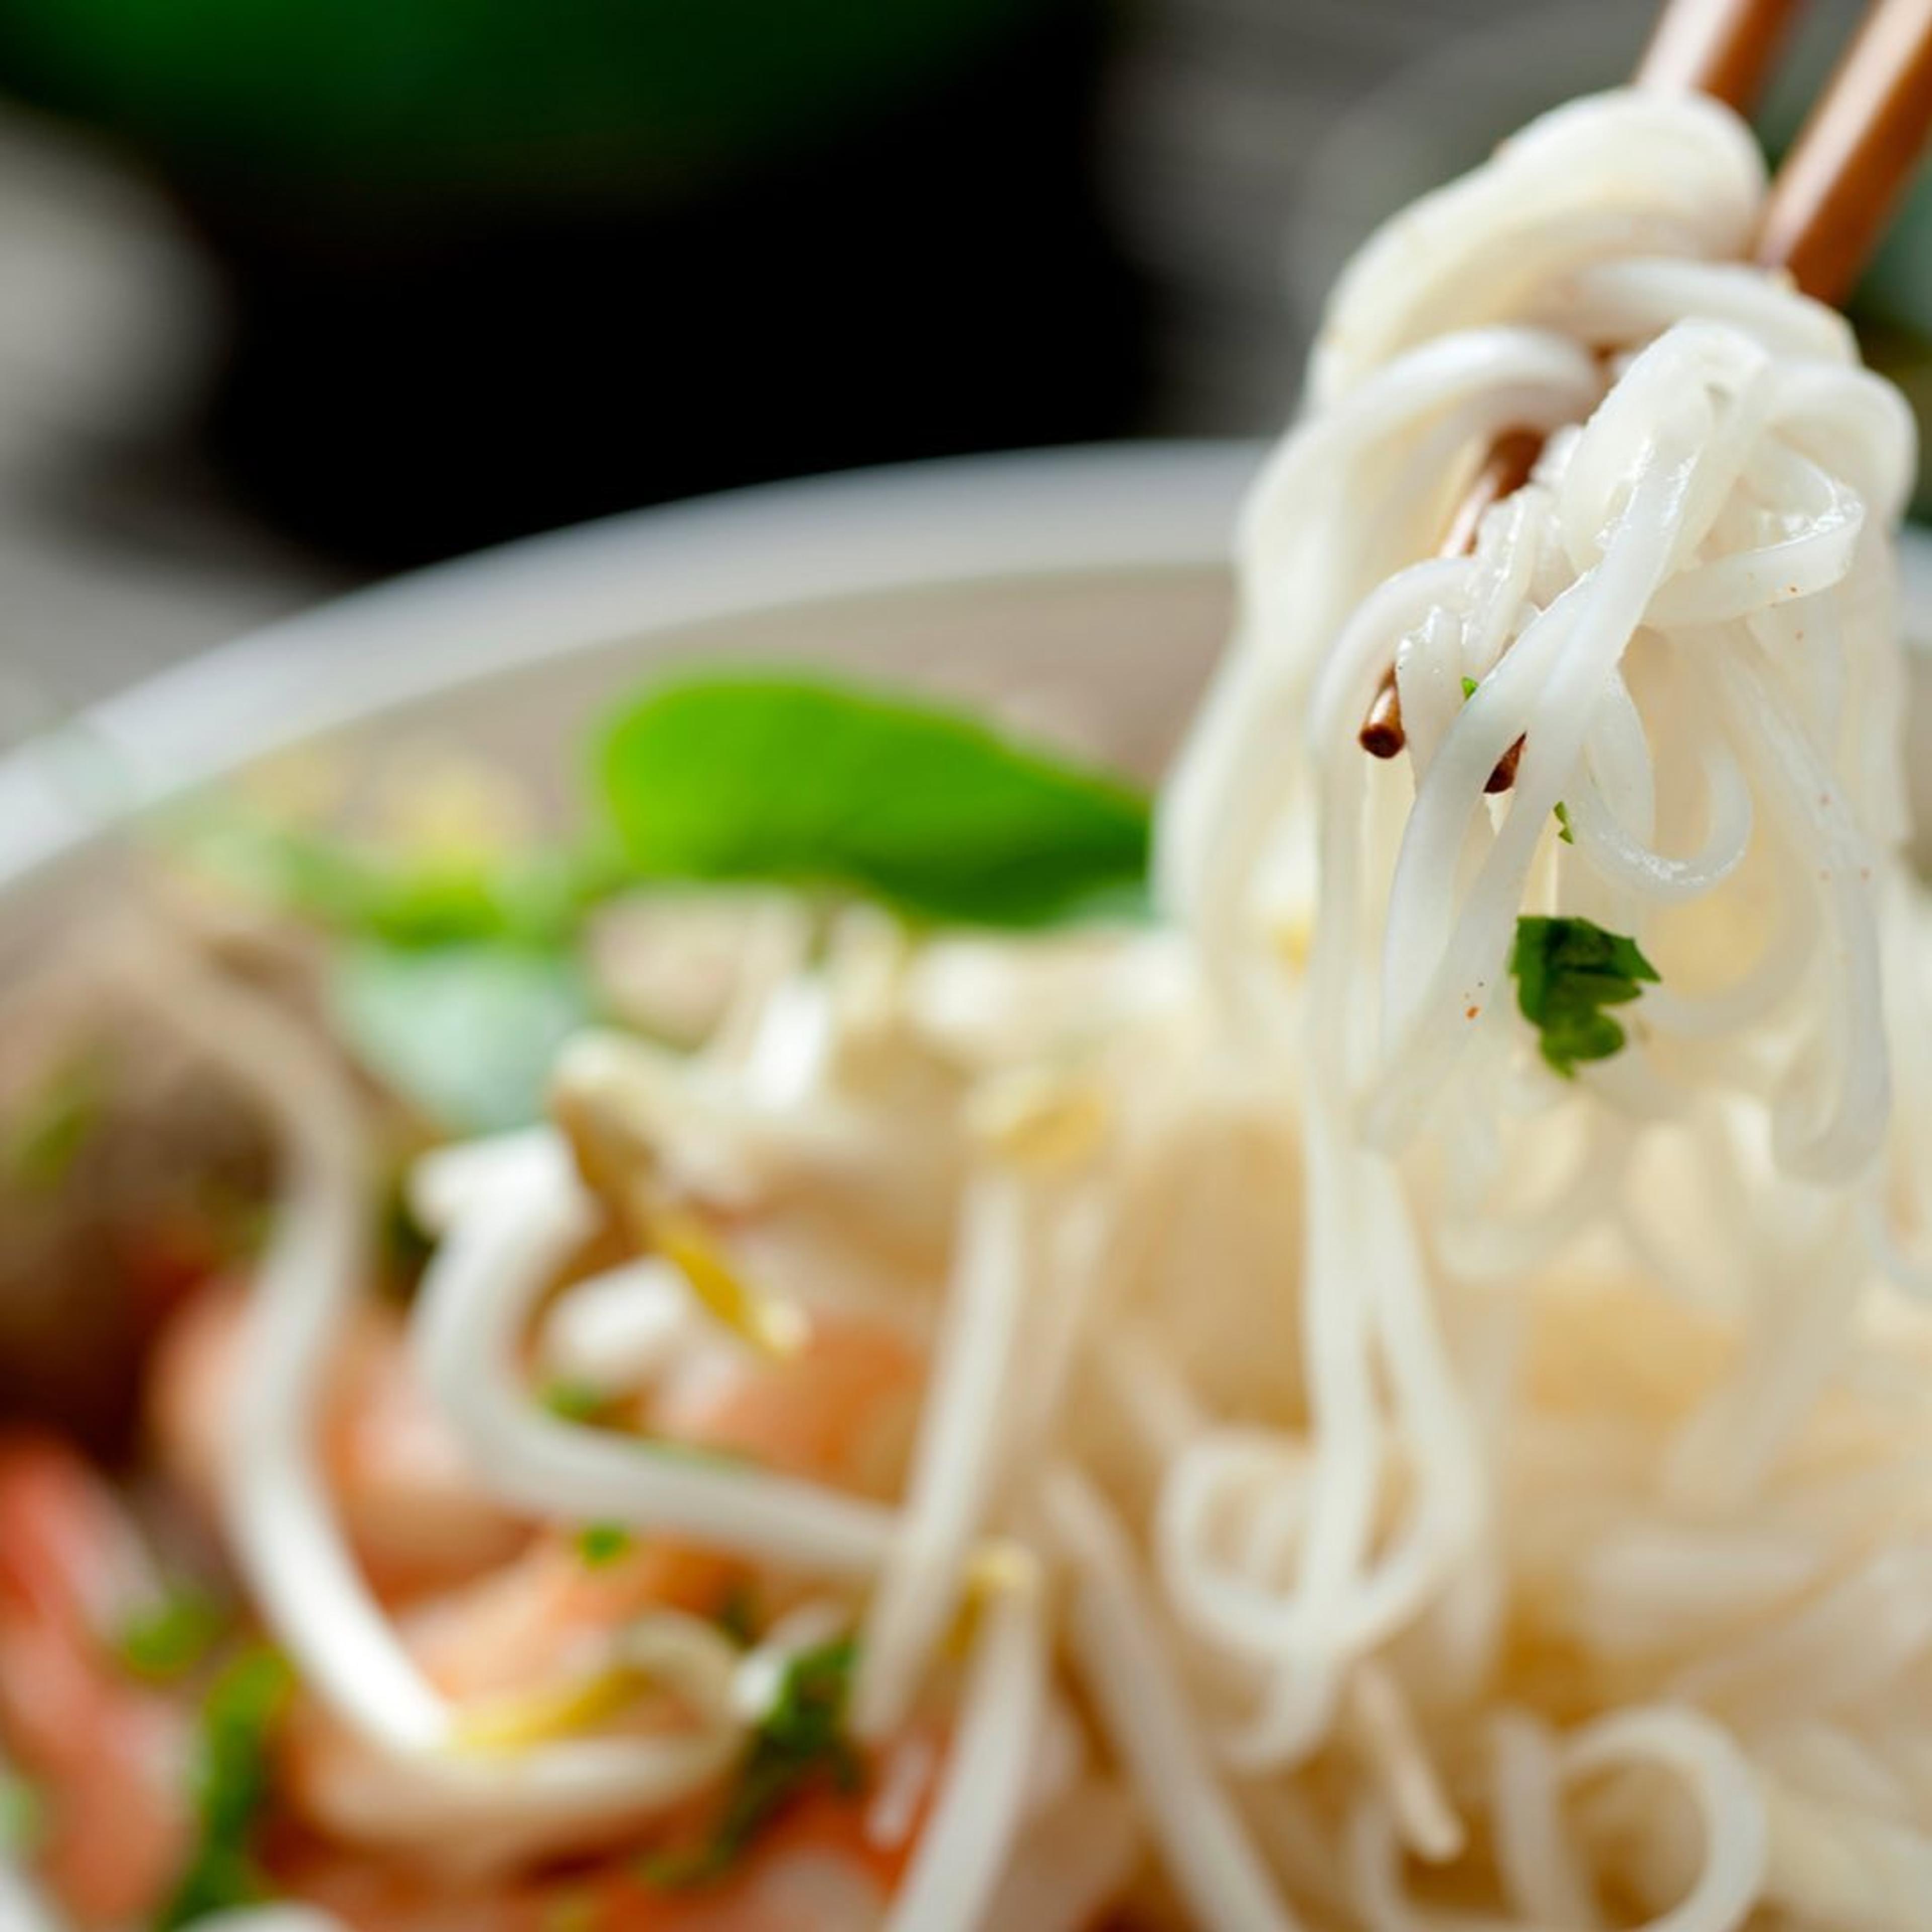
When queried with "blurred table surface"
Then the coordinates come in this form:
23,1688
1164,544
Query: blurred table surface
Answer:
1247,146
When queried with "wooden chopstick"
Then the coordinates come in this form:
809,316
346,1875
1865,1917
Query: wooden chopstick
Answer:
1722,48
1838,186
1827,209
1504,471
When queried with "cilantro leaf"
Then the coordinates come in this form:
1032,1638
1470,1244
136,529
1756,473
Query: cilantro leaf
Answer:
232,1784
737,1615
40,1146
169,1638
572,1401
800,1742
795,781
1566,970
1468,688
1563,831
23,1817
601,1544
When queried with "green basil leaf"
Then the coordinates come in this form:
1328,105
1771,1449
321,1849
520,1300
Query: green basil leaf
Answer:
465,1033
798,781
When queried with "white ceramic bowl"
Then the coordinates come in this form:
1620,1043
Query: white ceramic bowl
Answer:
1082,592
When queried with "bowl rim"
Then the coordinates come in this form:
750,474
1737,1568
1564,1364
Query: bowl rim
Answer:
1036,514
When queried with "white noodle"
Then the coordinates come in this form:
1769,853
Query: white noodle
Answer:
1382,1722
976,1815
1866,1631
282,1526
449,1182
954,1463
1726,1794
1122,1659
620,1330
1073,1859
1832,1867
478,1296
1540,1871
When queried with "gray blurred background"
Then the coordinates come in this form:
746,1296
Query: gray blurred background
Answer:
290,296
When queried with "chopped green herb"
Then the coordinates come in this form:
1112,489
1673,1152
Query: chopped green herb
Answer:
406,1244
801,1743
408,900
232,1783
53,1127
737,1615
601,1544
573,1401
170,1637
1468,688
796,781
23,1817
466,1033
1564,833
1567,971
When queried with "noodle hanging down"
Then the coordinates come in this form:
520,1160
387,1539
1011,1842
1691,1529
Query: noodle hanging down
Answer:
1425,1335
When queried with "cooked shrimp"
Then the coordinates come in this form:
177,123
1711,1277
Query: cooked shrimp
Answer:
840,1411
108,1755
537,1623
408,1505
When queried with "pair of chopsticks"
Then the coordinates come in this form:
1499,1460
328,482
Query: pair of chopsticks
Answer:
1827,209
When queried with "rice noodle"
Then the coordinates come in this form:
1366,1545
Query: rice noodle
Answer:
1122,1659
964,1848
282,1526
953,1464
478,1296
1713,1770
1541,1876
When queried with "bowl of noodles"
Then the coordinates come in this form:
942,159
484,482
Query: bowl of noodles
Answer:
812,1214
